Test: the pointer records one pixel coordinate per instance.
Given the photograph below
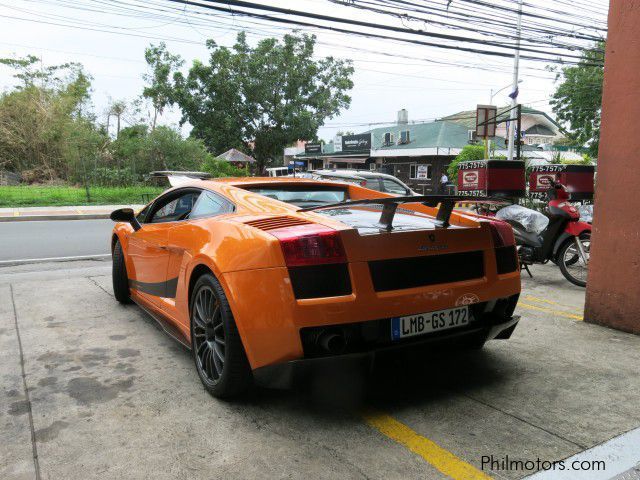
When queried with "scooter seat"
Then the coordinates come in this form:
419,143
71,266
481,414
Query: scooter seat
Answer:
523,237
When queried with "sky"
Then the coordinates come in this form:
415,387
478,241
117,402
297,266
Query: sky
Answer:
109,39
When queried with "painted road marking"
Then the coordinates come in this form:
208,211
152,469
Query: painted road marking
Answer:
620,455
79,211
558,313
16,214
443,460
531,298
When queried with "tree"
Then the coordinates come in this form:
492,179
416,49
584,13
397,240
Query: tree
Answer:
259,99
577,101
45,129
117,109
142,151
468,153
159,88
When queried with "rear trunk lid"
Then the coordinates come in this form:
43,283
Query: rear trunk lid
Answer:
417,252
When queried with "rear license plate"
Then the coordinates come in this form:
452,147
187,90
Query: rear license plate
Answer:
421,323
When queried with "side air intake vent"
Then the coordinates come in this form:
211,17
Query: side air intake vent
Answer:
273,223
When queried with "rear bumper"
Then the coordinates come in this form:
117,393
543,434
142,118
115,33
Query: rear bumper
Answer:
270,318
297,372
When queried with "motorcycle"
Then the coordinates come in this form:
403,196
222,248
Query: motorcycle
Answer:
565,241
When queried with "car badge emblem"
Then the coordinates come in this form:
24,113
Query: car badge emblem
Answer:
467,299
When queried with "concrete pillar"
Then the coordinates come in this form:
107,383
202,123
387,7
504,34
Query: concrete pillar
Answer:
613,287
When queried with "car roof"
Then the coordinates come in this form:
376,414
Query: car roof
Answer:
243,181
354,174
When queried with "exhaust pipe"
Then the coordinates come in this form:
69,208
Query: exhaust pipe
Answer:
332,341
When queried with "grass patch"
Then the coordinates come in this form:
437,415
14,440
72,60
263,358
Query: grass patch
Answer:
36,196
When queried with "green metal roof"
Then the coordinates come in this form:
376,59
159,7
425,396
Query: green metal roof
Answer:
468,117
441,134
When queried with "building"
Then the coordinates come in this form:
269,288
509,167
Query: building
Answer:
538,127
419,153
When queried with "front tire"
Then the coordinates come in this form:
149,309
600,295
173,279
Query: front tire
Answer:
571,263
119,275
216,346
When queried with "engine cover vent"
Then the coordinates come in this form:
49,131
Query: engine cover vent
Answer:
273,223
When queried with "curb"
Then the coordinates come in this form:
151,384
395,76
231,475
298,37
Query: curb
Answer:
40,218
27,261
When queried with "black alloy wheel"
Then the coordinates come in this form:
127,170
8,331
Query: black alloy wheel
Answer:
208,332
217,348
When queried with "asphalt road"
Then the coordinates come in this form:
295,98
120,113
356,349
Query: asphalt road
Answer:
61,238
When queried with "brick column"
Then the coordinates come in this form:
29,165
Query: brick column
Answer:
613,287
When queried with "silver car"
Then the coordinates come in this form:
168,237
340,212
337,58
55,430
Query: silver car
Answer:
365,178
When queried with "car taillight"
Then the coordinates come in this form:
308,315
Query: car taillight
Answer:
310,245
502,234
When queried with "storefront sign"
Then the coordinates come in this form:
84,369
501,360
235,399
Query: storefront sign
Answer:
422,172
313,148
356,143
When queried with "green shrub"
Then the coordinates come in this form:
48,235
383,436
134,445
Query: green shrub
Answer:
468,153
222,168
113,177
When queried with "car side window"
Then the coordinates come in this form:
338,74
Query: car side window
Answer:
393,187
373,184
175,208
210,204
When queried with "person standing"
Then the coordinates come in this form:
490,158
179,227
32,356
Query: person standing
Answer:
444,180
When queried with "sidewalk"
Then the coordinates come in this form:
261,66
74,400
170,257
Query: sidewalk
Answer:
82,212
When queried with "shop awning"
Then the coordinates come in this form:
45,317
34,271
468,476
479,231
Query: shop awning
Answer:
349,159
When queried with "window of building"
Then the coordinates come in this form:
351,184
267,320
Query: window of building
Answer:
404,137
388,139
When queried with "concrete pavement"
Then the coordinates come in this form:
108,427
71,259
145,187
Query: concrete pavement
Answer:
106,394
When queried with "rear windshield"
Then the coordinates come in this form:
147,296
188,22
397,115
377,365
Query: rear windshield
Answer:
303,195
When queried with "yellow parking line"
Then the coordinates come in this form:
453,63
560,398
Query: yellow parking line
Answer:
443,460
531,298
558,313
16,214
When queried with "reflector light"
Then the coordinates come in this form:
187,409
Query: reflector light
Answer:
310,245
502,233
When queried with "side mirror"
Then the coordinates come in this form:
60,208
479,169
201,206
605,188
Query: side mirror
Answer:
126,215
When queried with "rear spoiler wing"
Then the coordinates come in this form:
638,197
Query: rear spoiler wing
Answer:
177,178
390,205
169,173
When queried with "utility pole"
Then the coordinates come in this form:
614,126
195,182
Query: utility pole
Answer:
514,93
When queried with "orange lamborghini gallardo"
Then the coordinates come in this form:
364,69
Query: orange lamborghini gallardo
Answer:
267,279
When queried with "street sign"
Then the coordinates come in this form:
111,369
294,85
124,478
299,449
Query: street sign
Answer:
486,121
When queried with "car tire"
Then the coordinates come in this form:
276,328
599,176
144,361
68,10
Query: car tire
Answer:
216,346
119,275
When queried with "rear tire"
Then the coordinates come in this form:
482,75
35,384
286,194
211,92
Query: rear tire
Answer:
119,275
216,345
